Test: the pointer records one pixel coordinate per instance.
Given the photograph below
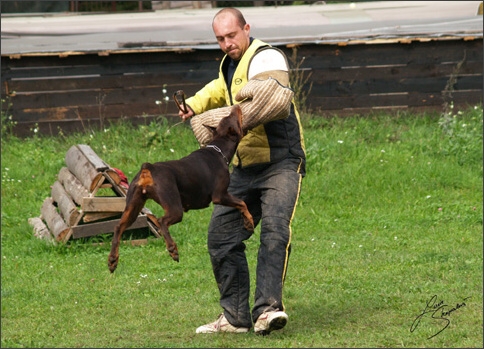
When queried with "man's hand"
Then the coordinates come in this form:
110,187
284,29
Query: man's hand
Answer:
186,116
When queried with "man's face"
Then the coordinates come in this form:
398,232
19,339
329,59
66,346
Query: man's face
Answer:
232,39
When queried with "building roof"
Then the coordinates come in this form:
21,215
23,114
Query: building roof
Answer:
190,29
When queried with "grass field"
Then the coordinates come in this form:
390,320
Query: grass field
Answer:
386,248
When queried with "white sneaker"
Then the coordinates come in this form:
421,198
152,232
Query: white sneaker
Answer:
221,325
270,321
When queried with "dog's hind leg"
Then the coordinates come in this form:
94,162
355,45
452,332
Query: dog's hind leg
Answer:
134,205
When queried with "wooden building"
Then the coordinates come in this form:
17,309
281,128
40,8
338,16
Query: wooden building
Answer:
78,71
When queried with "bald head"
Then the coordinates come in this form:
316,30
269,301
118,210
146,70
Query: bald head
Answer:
233,12
232,32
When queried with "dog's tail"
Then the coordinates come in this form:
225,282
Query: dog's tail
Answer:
145,178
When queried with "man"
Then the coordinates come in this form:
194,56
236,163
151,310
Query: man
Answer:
268,168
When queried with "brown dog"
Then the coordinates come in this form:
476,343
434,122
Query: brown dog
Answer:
190,183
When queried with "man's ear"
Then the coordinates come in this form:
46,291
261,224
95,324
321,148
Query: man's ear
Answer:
210,128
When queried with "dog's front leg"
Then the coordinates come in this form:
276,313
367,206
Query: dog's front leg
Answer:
170,243
232,201
114,254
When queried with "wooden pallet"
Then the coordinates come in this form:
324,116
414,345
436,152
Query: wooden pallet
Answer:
74,211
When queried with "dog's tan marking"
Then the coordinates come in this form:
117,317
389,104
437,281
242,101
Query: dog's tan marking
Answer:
145,179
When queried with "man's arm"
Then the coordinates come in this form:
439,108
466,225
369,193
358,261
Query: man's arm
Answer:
270,62
211,96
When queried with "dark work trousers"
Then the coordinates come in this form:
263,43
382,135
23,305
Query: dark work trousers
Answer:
271,194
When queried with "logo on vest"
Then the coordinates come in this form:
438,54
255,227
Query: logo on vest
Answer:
238,81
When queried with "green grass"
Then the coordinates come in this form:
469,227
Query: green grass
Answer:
390,214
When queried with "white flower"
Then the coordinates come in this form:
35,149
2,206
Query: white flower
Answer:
340,142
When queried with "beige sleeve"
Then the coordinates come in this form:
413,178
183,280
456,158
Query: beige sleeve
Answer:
262,99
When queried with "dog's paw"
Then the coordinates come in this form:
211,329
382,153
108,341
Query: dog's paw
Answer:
112,264
174,254
249,224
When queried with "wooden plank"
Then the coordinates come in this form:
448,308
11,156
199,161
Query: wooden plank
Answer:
433,52
72,185
95,64
97,182
153,224
92,229
53,219
434,85
157,79
86,115
137,242
93,158
90,97
80,166
413,99
103,204
393,72
114,178
65,204
90,217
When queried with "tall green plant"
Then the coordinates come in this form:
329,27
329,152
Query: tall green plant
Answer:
299,78
462,133
8,124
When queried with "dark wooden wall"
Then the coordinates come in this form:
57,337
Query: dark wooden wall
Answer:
87,90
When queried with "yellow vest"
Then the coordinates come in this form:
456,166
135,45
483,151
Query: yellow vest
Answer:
265,143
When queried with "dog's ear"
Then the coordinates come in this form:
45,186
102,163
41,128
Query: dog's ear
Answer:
210,128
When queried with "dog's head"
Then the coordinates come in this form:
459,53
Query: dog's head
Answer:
230,126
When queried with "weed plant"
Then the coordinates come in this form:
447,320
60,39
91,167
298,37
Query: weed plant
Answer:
386,246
